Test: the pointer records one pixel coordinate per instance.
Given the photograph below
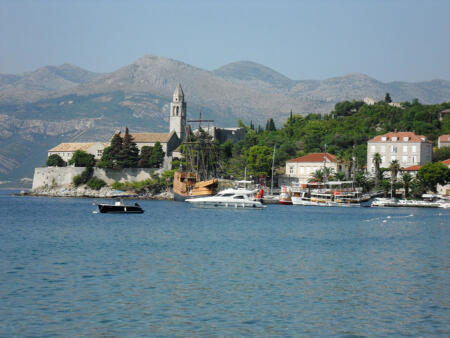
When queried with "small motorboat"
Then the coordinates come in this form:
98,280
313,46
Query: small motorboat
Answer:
119,207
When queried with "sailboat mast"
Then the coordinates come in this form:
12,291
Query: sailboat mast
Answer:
273,163
325,178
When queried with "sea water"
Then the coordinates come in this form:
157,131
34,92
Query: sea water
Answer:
180,271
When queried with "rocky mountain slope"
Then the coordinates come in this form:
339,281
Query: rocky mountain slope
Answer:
66,103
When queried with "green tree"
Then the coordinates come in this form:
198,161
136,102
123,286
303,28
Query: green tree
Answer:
387,98
144,157
54,160
377,161
386,185
81,158
406,180
321,174
270,125
361,180
259,160
339,176
394,168
129,154
157,157
107,160
431,174
441,154
317,176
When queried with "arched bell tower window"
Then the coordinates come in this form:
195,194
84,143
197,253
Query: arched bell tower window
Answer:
177,111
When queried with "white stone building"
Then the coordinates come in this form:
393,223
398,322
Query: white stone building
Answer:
444,189
66,150
406,147
303,168
444,141
168,141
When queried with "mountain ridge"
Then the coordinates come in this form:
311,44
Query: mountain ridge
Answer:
138,95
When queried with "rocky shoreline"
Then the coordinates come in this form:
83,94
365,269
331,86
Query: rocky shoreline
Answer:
86,192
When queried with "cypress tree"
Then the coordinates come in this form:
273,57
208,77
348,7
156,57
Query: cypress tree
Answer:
129,154
157,156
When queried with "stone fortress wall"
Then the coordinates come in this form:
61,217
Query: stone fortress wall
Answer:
63,176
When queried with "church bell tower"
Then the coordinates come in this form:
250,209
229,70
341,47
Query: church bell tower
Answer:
178,113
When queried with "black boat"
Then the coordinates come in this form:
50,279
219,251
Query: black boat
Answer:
120,208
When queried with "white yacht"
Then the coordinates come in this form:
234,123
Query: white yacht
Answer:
229,198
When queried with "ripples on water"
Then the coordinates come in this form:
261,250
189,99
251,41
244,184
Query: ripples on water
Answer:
176,270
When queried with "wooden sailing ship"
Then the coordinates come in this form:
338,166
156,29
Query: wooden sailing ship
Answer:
197,178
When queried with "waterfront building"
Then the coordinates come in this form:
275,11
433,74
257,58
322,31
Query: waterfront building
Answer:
169,141
302,169
413,170
66,150
406,147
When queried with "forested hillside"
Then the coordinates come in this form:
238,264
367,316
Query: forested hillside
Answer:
344,130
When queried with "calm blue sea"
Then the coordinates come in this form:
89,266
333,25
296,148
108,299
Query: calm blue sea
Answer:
180,271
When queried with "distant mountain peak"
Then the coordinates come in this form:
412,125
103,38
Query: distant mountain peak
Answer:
252,71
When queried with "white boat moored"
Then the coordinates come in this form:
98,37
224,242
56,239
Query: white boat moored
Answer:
229,198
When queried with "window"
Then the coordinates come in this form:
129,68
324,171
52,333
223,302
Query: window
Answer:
238,197
372,148
291,170
394,138
383,159
405,159
382,149
414,159
405,149
99,152
384,138
414,149
393,158
393,149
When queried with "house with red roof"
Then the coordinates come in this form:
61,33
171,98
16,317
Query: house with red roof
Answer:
303,168
444,141
405,147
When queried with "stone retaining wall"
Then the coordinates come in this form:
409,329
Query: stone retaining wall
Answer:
63,176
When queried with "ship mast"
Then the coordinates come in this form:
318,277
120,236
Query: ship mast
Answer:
200,149
325,176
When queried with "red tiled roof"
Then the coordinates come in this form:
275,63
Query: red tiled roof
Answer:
400,135
447,161
412,168
314,157
444,138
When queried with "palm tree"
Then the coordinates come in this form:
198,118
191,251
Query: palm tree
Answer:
317,176
394,168
340,176
406,178
377,161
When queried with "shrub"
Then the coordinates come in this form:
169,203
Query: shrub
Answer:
81,158
96,183
77,180
84,177
55,160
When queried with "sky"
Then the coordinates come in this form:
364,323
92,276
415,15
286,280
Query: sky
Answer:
390,40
